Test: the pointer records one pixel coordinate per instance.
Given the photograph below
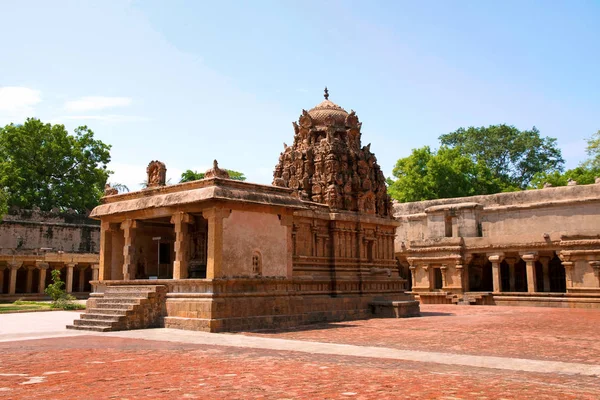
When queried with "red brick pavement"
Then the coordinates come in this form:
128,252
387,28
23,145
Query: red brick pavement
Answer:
570,335
101,367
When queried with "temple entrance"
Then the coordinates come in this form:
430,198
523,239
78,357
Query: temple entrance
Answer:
437,279
556,270
480,274
198,248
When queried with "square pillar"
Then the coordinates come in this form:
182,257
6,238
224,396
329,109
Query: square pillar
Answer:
12,283
106,248
29,281
288,222
568,265
530,259
95,271
496,260
181,221
2,279
43,267
81,282
545,261
511,261
129,227
69,283
596,267
443,270
214,262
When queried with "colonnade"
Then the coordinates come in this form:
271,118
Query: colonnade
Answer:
43,269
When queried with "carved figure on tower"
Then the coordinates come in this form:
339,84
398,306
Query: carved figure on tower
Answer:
327,164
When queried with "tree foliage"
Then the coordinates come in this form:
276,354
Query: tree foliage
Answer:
42,165
189,175
593,151
444,173
514,157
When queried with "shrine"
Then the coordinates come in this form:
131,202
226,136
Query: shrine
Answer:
223,255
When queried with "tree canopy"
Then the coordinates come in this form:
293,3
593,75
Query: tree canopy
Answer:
513,156
475,161
189,175
42,165
427,174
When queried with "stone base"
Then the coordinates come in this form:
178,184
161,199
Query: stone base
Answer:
395,309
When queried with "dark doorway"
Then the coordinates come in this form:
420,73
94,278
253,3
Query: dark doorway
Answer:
520,276
558,278
504,277
437,279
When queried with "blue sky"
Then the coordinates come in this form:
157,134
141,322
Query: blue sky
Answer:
189,81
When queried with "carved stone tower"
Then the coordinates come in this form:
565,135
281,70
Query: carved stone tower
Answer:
327,164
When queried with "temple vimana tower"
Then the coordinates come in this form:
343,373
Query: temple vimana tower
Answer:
222,255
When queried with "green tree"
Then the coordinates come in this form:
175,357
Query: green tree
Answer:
189,175
426,175
514,157
583,175
42,165
593,150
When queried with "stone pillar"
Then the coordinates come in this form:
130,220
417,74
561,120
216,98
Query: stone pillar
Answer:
496,260
428,272
12,284
95,271
413,274
568,265
43,267
81,283
29,279
181,221
106,248
288,222
546,273
69,283
129,227
214,263
596,267
511,272
443,270
2,279
530,259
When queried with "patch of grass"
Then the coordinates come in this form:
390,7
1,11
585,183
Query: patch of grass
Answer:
20,305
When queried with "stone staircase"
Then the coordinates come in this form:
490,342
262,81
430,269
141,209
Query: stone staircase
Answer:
124,307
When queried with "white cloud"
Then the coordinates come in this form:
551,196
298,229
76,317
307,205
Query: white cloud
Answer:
17,103
91,103
15,98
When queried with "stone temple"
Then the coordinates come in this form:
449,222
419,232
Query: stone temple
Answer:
222,255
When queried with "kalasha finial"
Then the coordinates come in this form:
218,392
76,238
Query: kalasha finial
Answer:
326,95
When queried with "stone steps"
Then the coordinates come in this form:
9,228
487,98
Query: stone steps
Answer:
119,308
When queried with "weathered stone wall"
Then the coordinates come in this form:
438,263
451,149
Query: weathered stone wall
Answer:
27,231
246,233
561,210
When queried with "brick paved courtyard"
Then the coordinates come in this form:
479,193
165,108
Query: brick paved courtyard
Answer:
177,364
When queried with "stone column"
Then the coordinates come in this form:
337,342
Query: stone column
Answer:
81,283
182,222
214,263
428,272
69,284
129,227
443,270
496,260
106,248
29,279
530,259
568,265
413,274
511,261
596,267
12,284
95,271
546,273
2,279
288,222
43,267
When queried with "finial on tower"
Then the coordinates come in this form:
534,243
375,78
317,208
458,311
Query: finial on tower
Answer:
326,95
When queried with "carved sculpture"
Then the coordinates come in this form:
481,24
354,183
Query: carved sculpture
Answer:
109,190
157,174
216,172
327,164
